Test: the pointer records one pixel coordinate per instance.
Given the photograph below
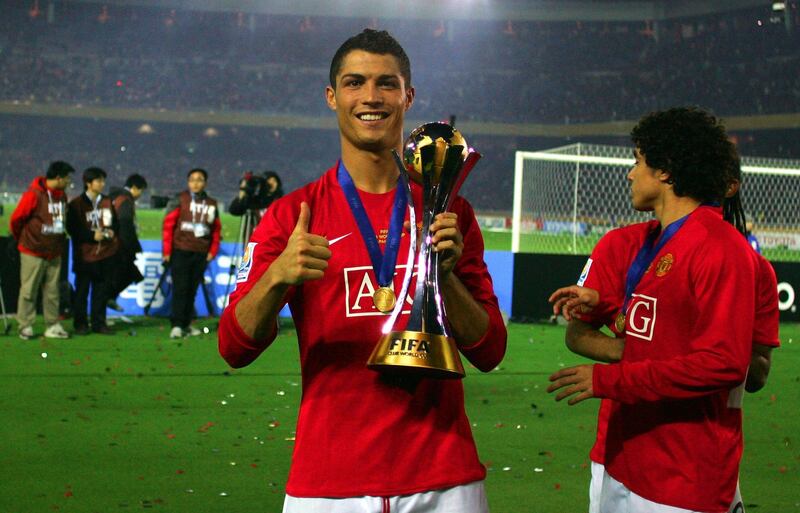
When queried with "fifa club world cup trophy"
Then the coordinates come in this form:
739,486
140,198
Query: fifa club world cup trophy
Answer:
437,157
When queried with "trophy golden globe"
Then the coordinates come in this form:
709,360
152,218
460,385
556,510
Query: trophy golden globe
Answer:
437,157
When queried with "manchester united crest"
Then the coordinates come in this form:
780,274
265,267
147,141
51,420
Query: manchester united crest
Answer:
664,264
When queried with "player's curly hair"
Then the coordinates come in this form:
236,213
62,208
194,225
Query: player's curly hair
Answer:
373,41
692,146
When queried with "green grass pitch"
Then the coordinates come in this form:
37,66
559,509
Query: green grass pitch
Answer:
150,228
138,421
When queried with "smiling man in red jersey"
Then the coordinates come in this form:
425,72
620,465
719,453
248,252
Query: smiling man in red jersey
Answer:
366,441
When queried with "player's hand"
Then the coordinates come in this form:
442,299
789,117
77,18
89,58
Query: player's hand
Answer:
306,254
446,239
109,233
573,381
165,259
209,257
568,301
98,235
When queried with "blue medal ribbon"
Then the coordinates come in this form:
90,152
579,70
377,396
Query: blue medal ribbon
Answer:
382,263
652,245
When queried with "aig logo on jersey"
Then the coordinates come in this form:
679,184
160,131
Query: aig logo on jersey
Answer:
360,285
641,317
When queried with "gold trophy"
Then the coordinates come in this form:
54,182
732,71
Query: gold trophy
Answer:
437,157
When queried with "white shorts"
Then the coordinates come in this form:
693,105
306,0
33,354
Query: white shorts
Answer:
616,498
596,487
737,506
468,498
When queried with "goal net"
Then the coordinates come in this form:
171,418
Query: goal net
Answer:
566,198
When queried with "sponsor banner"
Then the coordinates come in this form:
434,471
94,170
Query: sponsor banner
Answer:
788,274
779,240
530,225
219,281
564,226
501,267
218,274
489,222
537,275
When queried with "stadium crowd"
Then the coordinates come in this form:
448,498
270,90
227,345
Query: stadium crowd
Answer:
736,63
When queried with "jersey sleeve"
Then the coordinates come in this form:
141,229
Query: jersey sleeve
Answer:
168,230
719,352
216,236
605,272
471,269
268,241
766,325
25,207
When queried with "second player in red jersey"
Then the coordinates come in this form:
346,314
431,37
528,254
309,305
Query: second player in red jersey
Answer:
674,436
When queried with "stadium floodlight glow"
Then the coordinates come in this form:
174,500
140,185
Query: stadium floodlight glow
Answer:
778,6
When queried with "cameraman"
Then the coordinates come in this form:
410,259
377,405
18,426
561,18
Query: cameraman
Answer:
256,193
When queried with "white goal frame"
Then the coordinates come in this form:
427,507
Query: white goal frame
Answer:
579,157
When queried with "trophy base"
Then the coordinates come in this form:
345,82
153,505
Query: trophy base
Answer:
417,353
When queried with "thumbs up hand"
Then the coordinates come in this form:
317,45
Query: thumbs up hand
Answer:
306,255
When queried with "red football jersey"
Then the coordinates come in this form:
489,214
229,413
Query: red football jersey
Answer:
673,438
360,432
605,271
767,322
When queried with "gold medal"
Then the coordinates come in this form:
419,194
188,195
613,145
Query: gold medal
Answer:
384,299
619,323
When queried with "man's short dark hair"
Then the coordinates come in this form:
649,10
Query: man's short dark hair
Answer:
136,180
692,146
59,169
93,173
372,41
198,170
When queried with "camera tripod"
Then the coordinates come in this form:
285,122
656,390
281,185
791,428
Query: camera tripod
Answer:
162,278
6,325
247,224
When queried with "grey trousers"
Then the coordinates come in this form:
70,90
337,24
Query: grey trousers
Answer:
38,273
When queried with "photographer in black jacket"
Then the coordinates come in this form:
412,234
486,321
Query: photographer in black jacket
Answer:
256,193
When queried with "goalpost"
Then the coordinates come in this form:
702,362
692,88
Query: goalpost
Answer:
566,198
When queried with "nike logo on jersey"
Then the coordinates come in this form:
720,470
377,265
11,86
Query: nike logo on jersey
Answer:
337,239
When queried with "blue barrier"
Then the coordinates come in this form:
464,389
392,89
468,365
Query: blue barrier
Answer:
135,297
